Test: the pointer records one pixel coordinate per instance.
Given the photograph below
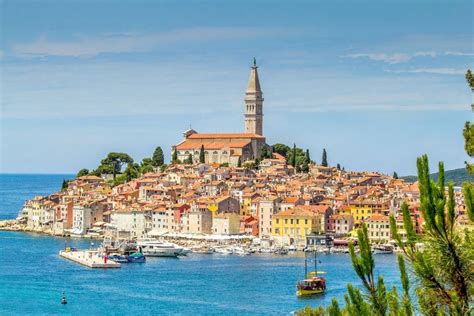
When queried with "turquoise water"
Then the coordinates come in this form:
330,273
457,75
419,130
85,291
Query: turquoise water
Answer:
33,276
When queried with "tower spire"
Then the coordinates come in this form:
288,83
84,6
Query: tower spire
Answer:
254,103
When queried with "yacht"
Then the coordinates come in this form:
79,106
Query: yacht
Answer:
156,248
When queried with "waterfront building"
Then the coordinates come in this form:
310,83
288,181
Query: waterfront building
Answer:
378,228
226,224
267,207
342,224
133,221
81,214
230,148
198,220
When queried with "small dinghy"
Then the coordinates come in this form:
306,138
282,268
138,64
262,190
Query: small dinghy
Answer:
136,257
63,299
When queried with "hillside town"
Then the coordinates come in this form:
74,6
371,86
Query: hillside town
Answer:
228,184
274,204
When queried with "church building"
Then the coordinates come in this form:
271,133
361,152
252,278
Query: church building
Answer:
230,147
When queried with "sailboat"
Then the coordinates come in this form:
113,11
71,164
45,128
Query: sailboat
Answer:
313,283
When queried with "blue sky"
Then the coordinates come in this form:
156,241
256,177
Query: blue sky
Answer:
376,83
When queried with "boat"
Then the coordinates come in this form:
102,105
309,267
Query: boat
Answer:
240,251
223,251
204,251
313,283
382,249
292,248
281,251
118,258
136,257
63,299
185,251
150,247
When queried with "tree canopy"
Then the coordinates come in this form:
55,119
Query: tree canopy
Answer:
82,172
324,159
158,159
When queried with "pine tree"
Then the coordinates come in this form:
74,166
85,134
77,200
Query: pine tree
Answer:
324,160
395,175
338,167
239,162
444,268
64,185
293,157
307,157
202,157
82,172
174,157
158,159
189,160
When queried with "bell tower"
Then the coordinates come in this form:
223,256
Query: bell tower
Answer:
254,103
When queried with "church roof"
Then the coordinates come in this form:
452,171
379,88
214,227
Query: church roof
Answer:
195,145
224,136
254,84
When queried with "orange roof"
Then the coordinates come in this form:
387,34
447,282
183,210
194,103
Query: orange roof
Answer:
186,145
223,135
379,218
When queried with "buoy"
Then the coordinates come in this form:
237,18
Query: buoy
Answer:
63,299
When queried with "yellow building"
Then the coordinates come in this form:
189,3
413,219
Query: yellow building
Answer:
290,227
360,212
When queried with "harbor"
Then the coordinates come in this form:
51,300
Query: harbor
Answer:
89,258
194,284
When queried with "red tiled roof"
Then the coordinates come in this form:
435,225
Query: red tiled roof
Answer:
224,135
186,145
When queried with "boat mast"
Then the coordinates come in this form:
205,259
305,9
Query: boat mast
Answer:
305,265
315,264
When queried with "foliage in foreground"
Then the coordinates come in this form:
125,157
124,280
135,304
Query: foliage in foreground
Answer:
443,268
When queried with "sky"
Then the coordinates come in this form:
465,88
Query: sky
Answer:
376,83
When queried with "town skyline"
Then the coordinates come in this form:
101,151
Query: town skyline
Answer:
374,98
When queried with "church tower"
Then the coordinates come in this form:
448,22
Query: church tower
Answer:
254,104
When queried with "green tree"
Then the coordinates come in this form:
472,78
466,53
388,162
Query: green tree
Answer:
308,158
174,157
395,175
324,160
158,159
338,167
132,171
65,184
82,172
468,131
239,162
445,267
113,163
147,165
293,156
189,160
202,157
282,149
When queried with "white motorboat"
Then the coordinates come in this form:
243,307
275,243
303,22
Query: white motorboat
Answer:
223,251
382,249
240,251
155,248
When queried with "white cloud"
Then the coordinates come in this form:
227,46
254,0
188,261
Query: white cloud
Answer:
89,46
439,71
396,58
451,53
388,58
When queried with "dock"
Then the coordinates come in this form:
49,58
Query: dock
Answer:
88,258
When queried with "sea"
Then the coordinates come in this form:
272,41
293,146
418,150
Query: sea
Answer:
33,277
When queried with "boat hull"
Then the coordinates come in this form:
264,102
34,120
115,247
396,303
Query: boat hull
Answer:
302,293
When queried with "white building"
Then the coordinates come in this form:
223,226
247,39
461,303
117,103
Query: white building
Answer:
136,222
